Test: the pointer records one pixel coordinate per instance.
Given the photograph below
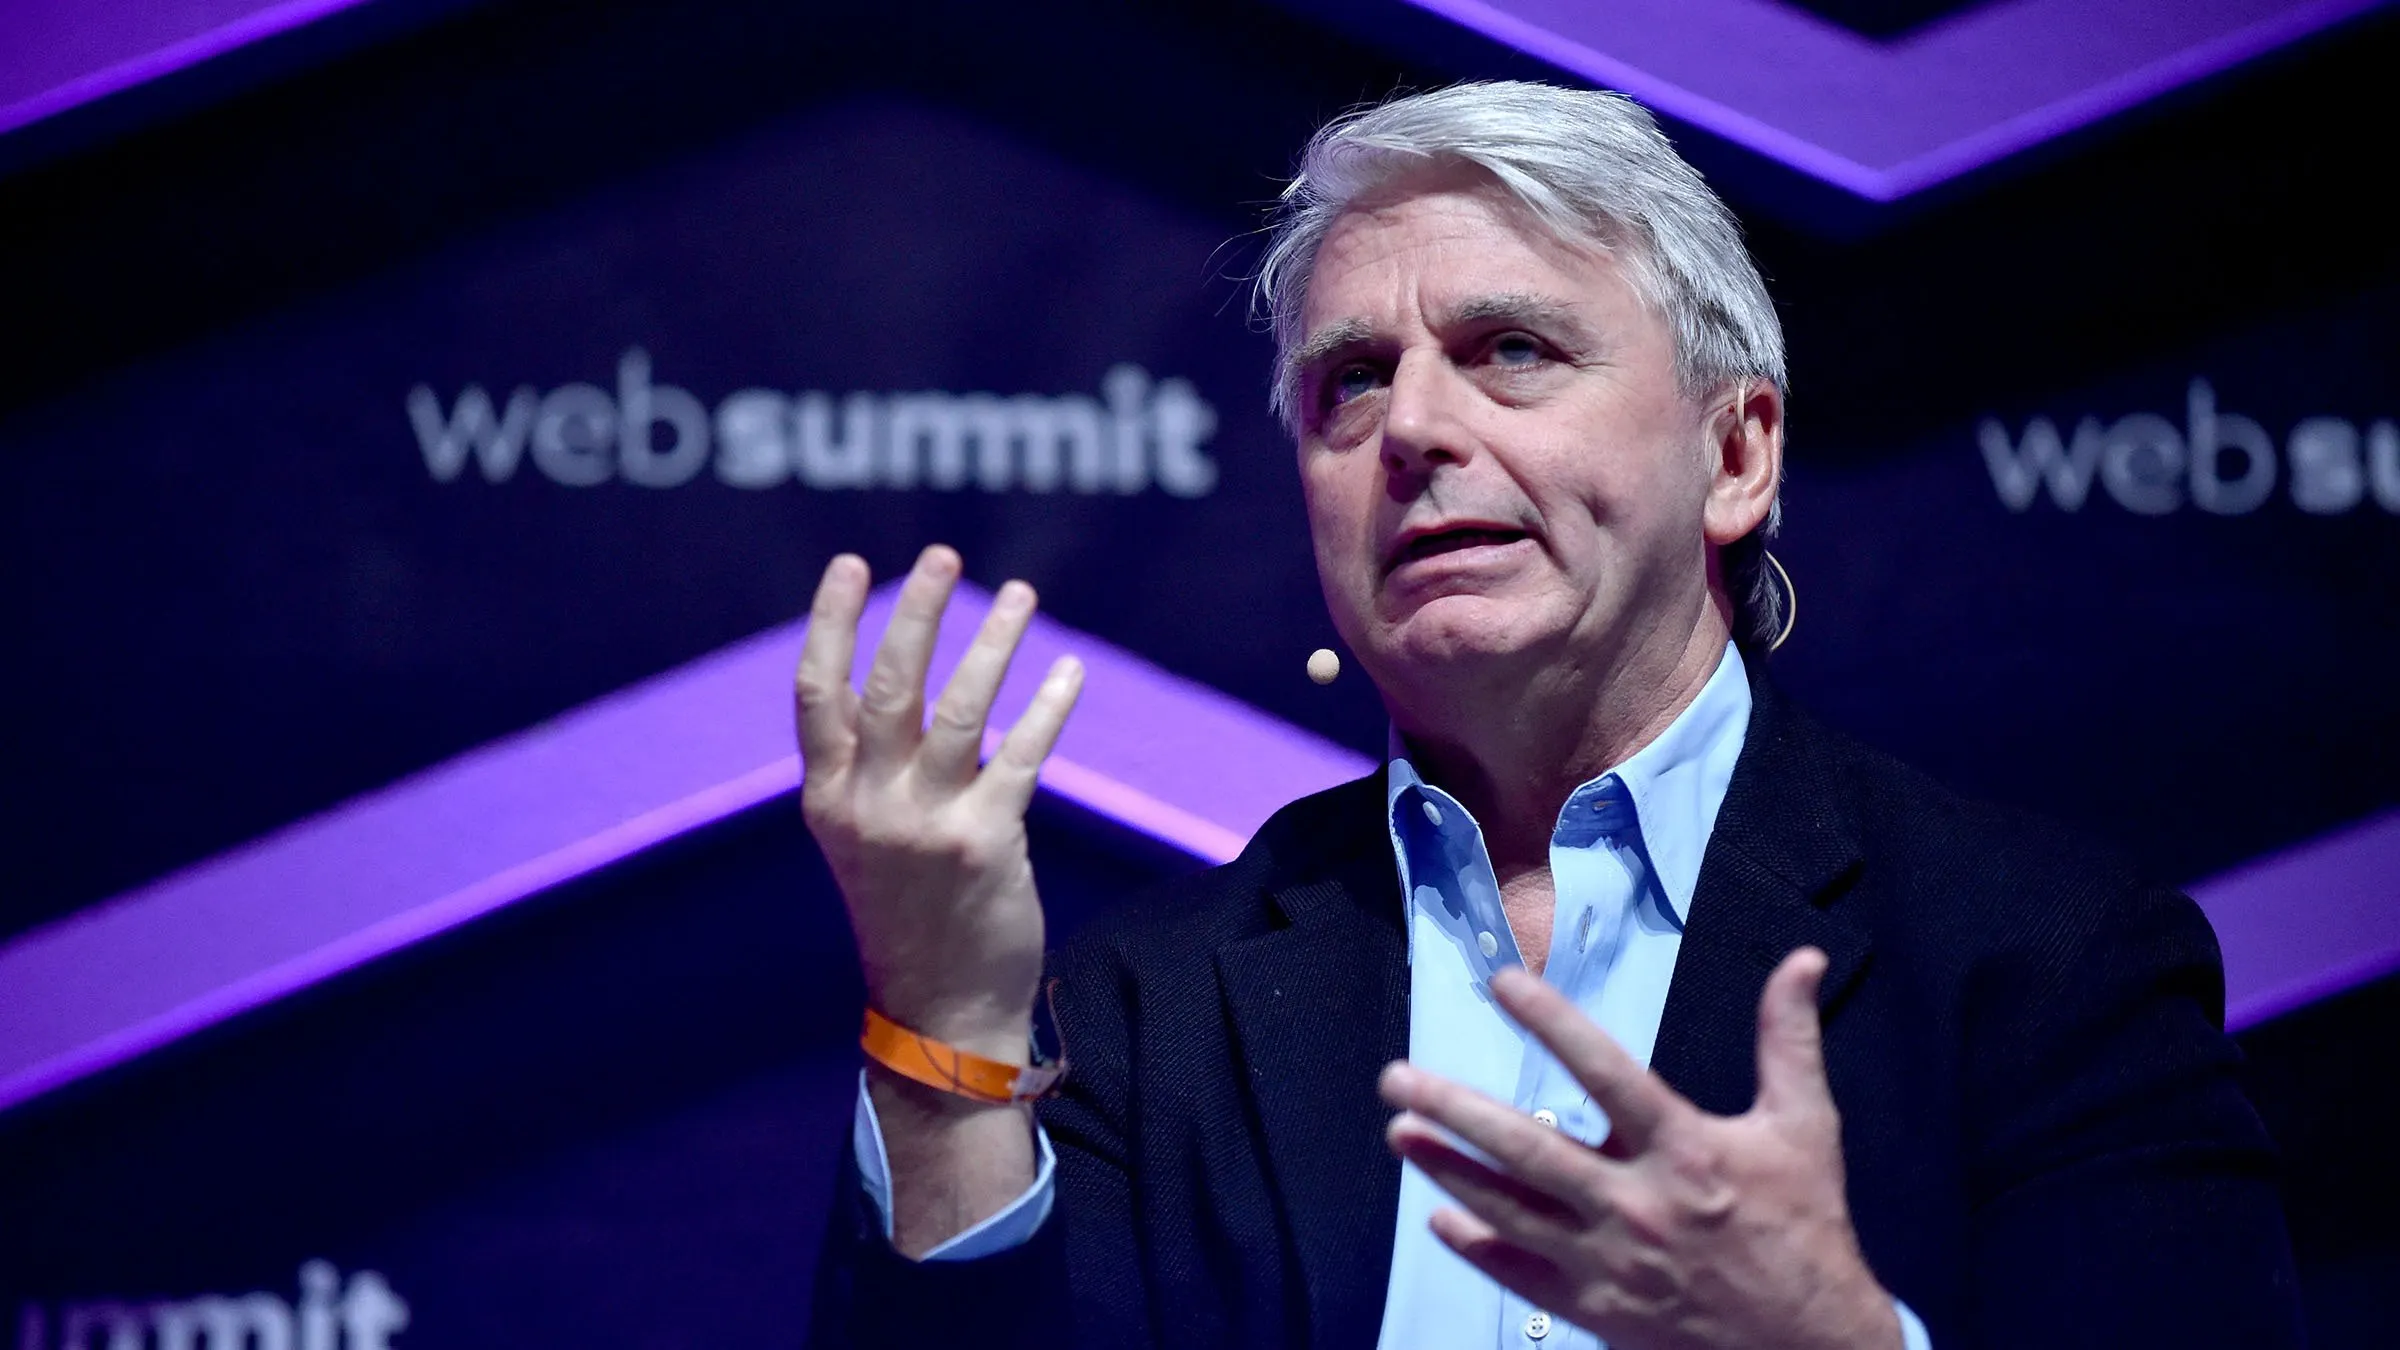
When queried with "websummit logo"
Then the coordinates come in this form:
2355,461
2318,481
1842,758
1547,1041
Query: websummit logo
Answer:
360,1314
2223,463
1137,435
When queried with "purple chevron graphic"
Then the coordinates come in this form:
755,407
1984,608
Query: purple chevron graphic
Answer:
1885,120
498,825
61,56
1173,759
1881,120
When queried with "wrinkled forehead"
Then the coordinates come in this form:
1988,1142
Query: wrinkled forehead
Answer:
1446,242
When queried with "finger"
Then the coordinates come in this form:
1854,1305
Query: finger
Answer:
1017,766
891,710
1638,1103
1533,1276
954,741
1522,1214
1533,1154
823,703
1791,1043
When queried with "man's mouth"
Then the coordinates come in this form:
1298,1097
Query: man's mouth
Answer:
1435,543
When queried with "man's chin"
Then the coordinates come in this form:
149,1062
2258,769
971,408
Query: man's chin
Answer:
1449,634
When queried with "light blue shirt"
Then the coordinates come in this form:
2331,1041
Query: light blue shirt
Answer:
1624,858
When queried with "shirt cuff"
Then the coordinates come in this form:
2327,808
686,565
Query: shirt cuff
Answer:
1912,1331
1014,1225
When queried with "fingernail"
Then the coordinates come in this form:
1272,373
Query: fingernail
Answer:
1014,595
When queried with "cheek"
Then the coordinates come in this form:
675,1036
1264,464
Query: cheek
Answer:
1636,484
1338,512
1340,527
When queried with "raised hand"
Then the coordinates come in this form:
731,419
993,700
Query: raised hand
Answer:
1683,1229
925,840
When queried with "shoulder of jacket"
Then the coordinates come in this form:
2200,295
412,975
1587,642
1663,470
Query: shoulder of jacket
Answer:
2002,869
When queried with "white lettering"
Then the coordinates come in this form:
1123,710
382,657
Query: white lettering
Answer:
572,435
1139,433
2383,454
1057,438
122,1325
2151,467
822,460
371,1313
1127,389
753,441
318,1283
642,406
928,430
471,428
2212,435
2327,476
2019,473
2141,464
1181,423
253,1322
364,1315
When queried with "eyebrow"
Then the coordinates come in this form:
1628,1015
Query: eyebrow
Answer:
1326,341
1532,311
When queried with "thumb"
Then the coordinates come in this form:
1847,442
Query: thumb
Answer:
1791,1047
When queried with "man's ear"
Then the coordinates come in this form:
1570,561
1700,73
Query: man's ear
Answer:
1745,450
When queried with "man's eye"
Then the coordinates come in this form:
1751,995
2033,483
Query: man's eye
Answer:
1515,349
1350,382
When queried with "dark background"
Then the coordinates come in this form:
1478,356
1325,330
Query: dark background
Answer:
238,596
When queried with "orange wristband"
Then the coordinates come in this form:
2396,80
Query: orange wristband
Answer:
961,1073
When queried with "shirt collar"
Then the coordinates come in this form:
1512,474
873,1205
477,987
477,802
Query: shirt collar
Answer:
1676,783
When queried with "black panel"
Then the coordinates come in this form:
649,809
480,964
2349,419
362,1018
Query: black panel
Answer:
608,1116
1884,18
2320,1077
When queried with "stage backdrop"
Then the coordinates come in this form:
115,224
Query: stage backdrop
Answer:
2094,507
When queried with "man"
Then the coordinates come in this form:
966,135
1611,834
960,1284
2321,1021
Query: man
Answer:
1590,915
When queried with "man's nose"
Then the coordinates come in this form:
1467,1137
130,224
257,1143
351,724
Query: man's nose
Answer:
1424,421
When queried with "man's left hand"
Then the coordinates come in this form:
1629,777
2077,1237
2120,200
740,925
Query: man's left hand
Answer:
1683,1229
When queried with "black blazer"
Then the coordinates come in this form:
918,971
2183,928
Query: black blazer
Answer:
2045,1139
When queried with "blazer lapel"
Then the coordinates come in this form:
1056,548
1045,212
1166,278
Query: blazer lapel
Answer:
1318,1007
1783,851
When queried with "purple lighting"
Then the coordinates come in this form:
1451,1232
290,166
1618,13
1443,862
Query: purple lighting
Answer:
61,54
1884,120
1881,120
1161,754
384,871
2309,922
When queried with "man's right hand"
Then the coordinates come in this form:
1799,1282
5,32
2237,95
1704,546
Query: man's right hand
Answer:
926,841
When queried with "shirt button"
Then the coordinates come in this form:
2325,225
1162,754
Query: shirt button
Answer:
1546,1116
1537,1326
1433,814
1487,944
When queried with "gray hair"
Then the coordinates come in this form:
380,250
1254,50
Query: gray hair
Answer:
1595,168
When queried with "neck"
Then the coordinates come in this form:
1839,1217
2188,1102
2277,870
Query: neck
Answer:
1513,749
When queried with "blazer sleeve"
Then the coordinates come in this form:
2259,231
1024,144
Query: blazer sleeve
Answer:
1078,1282
2123,1190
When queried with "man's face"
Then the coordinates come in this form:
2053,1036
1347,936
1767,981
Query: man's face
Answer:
1498,462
